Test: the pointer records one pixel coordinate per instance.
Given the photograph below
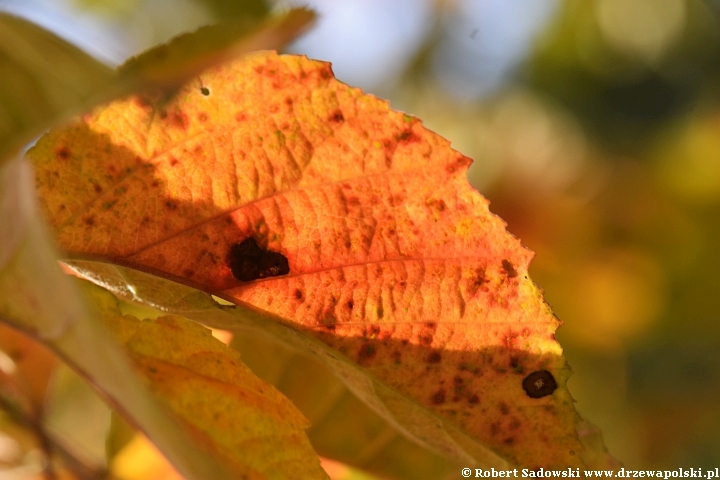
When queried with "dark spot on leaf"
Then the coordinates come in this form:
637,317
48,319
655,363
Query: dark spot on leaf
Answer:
179,119
434,357
397,356
337,116
350,304
330,327
89,221
366,352
474,399
205,91
171,205
509,269
63,153
173,161
298,294
152,369
425,340
460,162
509,441
539,384
380,310
504,408
515,365
188,272
248,261
495,428
408,136
438,397
97,188
203,117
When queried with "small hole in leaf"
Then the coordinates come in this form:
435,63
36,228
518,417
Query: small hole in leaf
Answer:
205,91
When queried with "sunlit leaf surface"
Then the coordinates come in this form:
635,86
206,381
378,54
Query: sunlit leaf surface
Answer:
269,183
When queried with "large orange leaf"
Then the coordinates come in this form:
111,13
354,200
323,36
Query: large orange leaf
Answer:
269,183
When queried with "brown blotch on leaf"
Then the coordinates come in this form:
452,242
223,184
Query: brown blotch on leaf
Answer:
474,399
367,352
438,397
452,167
299,294
63,153
539,384
407,136
509,269
337,117
434,357
179,119
350,304
248,261
171,205
89,221
515,365
504,408
173,161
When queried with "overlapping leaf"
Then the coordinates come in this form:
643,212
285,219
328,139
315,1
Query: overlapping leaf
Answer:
394,261
235,415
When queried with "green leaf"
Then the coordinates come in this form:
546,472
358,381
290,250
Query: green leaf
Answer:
43,79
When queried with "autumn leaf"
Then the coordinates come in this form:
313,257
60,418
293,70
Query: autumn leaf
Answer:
269,183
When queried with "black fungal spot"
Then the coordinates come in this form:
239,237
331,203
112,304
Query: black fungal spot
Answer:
539,384
434,357
248,261
205,91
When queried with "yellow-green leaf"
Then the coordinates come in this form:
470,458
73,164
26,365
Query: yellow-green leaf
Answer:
235,415
43,79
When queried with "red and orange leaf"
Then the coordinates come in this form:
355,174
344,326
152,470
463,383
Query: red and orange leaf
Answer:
392,258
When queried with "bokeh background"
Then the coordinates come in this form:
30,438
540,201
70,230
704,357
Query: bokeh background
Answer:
595,129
